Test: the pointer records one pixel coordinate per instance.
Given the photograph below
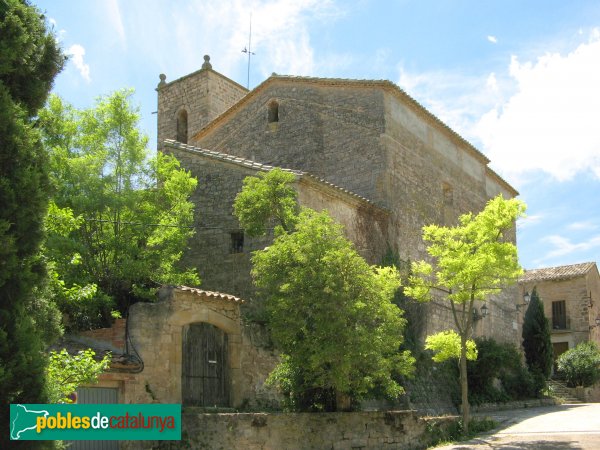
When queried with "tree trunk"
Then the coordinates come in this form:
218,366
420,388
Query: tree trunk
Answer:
464,386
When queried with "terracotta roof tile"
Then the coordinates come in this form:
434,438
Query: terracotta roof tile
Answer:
557,273
217,295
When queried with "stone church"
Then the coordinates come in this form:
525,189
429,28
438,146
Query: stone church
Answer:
376,159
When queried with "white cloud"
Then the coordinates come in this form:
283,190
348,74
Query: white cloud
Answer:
551,122
281,37
456,98
530,116
76,53
529,220
584,225
114,16
492,82
492,39
563,246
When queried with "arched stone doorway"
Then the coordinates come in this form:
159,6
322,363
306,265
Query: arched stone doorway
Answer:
205,366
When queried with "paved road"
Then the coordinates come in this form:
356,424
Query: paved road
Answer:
564,427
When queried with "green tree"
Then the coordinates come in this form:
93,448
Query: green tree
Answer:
580,365
30,59
330,313
65,373
471,261
132,217
267,200
536,342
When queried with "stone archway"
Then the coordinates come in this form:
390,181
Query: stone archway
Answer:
219,314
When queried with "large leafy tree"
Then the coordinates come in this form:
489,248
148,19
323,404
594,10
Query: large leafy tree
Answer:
536,341
131,212
330,313
469,262
30,59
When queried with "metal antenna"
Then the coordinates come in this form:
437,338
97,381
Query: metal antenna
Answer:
248,50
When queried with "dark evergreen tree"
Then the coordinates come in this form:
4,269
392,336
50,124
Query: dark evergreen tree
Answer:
29,60
536,341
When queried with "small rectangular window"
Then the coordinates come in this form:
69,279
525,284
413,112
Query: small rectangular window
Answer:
237,242
448,194
559,315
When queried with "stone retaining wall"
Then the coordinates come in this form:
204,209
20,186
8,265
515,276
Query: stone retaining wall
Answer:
265,431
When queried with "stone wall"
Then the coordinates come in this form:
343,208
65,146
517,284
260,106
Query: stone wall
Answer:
330,133
156,333
370,138
203,94
362,430
226,269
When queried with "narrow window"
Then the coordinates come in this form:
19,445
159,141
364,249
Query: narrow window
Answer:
182,126
273,112
237,242
448,194
559,315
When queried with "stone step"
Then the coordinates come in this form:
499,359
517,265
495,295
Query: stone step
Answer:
561,391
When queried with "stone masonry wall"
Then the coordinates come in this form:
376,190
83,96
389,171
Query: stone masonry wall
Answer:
203,94
222,268
156,331
290,431
365,139
575,292
315,125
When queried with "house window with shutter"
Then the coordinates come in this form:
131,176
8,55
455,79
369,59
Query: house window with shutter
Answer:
559,315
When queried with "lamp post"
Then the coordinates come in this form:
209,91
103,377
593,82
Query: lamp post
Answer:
483,312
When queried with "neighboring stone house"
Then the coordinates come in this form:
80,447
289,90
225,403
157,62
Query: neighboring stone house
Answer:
571,298
365,145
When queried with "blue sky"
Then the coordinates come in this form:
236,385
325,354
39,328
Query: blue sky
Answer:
520,80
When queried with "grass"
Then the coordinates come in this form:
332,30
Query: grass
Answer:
448,431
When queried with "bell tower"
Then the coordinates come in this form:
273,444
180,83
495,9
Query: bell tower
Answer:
189,103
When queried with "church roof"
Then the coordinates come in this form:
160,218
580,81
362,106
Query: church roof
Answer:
384,85
557,273
249,164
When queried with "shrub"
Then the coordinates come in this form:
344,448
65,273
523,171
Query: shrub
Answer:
580,366
498,361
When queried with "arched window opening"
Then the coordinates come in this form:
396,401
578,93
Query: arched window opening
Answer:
273,112
182,126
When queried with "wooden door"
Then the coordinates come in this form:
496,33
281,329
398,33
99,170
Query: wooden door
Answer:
205,380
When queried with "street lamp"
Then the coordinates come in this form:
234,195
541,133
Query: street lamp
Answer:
478,315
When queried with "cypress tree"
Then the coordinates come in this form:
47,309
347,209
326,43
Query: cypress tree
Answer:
30,60
536,341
